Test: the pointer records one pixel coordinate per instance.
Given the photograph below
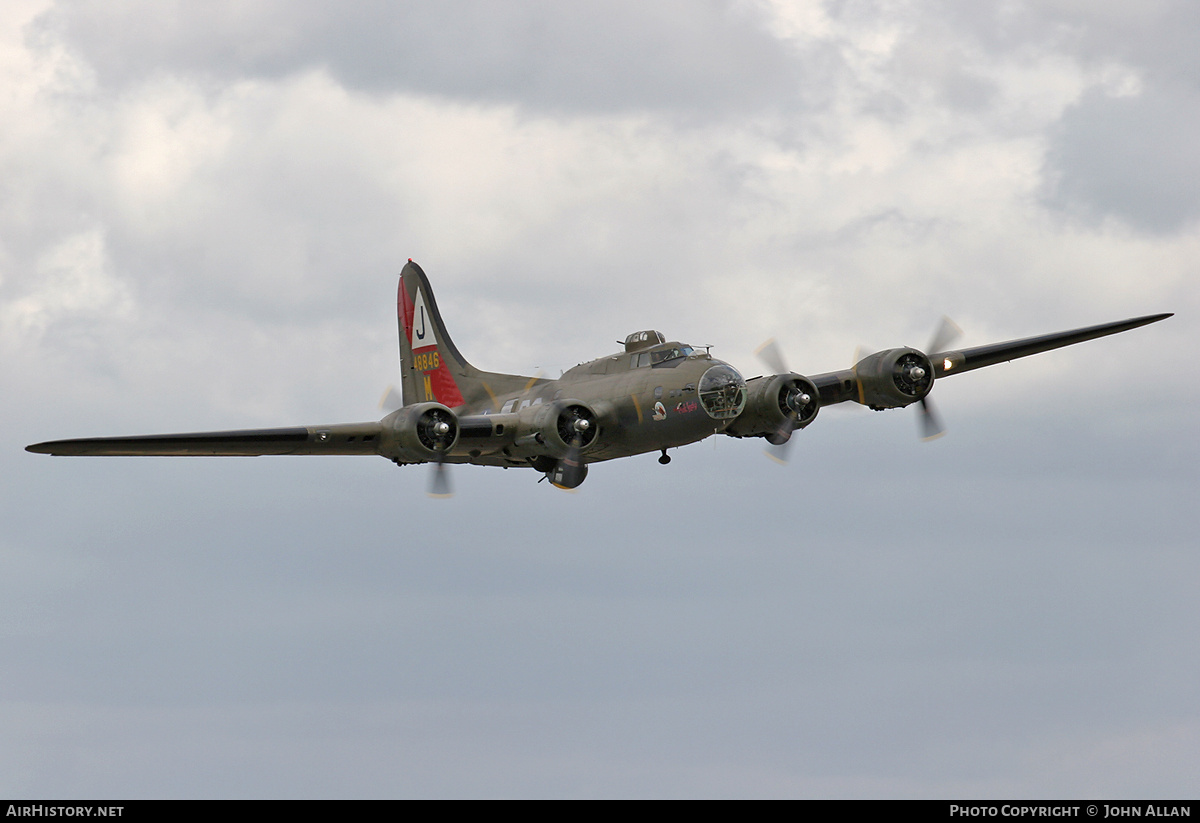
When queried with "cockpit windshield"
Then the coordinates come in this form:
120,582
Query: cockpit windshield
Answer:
674,352
663,355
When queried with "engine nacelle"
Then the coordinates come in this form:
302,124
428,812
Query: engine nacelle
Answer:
427,430
772,401
553,428
894,378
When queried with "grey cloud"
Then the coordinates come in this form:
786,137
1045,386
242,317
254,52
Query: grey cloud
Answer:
1130,157
678,641
602,56
1156,37
1133,158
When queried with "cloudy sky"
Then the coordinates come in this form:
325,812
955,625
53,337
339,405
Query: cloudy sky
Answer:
203,208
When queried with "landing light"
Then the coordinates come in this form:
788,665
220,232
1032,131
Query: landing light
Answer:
947,365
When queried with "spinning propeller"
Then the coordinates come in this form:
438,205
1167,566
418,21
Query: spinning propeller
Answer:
437,434
795,402
576,428
391,400
912,373
947,332
437,430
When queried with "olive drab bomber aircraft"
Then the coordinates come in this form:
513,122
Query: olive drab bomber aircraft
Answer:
653,396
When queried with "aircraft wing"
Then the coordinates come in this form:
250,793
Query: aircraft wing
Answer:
838,387
345,438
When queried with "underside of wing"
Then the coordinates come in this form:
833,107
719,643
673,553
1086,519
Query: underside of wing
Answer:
346,438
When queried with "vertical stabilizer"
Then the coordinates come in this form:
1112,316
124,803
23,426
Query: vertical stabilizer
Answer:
431,367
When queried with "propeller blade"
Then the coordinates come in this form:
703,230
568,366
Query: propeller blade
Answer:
947,332
439,481
779,452
772,357
574,428
931,423
570,467
797,400
391,400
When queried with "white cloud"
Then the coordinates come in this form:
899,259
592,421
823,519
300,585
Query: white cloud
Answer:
72,280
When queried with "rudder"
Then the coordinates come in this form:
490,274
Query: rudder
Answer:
431,367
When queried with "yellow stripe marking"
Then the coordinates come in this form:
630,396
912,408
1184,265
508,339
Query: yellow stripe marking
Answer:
492,394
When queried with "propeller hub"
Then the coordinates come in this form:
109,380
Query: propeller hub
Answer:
576,426
436,430
798,400
912,373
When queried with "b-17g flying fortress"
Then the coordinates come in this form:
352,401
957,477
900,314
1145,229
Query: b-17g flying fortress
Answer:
652,396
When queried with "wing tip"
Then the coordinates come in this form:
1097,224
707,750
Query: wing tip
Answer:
1146,320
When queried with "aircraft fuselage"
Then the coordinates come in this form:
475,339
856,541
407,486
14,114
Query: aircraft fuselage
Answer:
645,400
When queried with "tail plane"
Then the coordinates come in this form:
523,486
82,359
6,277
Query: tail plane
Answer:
431,366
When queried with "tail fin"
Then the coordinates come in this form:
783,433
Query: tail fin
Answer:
431,367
